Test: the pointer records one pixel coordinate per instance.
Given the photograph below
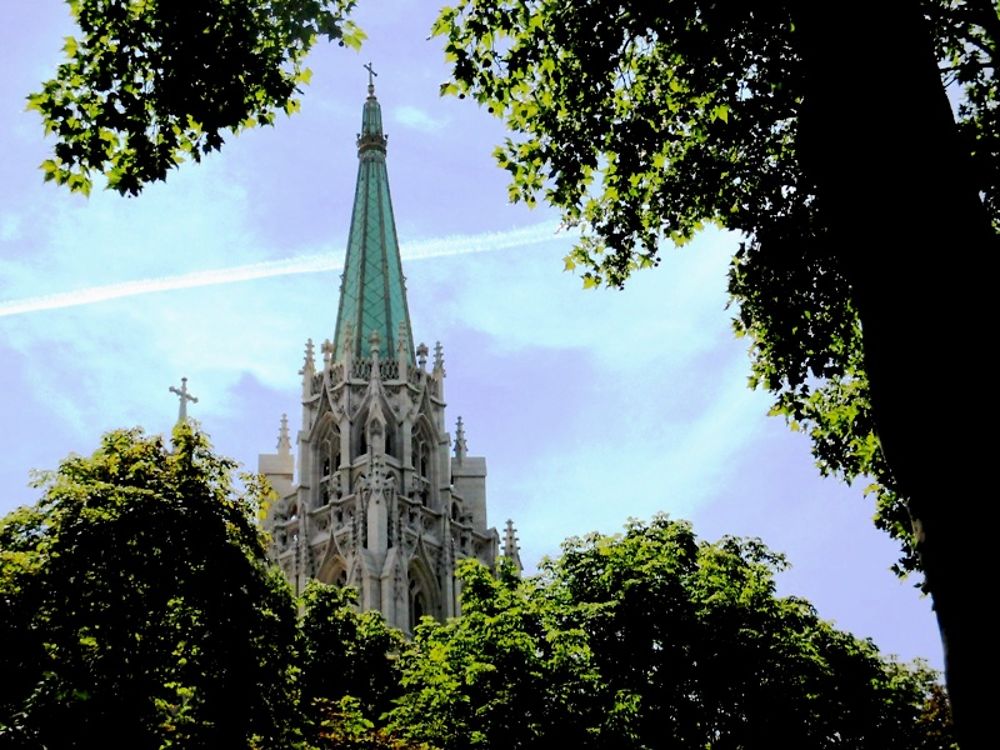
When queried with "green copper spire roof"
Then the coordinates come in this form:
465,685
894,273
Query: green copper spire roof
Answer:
372,289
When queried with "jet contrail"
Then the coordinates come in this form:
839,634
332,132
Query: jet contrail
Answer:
431,248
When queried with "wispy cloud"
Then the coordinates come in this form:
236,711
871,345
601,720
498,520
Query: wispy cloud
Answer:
664,316
330,261
416,118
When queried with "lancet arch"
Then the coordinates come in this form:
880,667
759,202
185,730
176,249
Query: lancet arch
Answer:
333,569
424,596
423,454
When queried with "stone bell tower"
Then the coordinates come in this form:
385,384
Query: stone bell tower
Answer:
381,501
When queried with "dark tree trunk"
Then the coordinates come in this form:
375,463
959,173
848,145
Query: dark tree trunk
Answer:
878,138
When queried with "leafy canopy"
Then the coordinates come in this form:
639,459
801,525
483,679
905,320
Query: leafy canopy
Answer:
515,670
349,673
150,83
652,639
137,602
644,122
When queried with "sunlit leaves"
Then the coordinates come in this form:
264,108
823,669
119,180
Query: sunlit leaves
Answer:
514,671
147,85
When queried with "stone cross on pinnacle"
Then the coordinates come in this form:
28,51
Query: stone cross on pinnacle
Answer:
184,396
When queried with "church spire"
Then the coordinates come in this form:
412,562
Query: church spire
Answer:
372,290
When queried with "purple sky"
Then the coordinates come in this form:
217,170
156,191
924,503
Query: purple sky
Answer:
589,406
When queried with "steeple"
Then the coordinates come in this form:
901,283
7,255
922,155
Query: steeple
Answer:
379,504
372,289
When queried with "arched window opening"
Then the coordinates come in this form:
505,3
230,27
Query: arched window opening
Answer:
326,459
418,603
422,460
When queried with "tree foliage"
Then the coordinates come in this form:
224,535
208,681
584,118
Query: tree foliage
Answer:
693,637
967,35
348,664
150,83
652,639
645,122
137,603
513,671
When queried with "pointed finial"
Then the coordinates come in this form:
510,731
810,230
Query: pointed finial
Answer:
308,370
510,548
374,343
309,365
327,349
438,358
422,356
509,537
461,447
371,78
284,442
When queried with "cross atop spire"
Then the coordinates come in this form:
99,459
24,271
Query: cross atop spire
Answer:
371,78
184,396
